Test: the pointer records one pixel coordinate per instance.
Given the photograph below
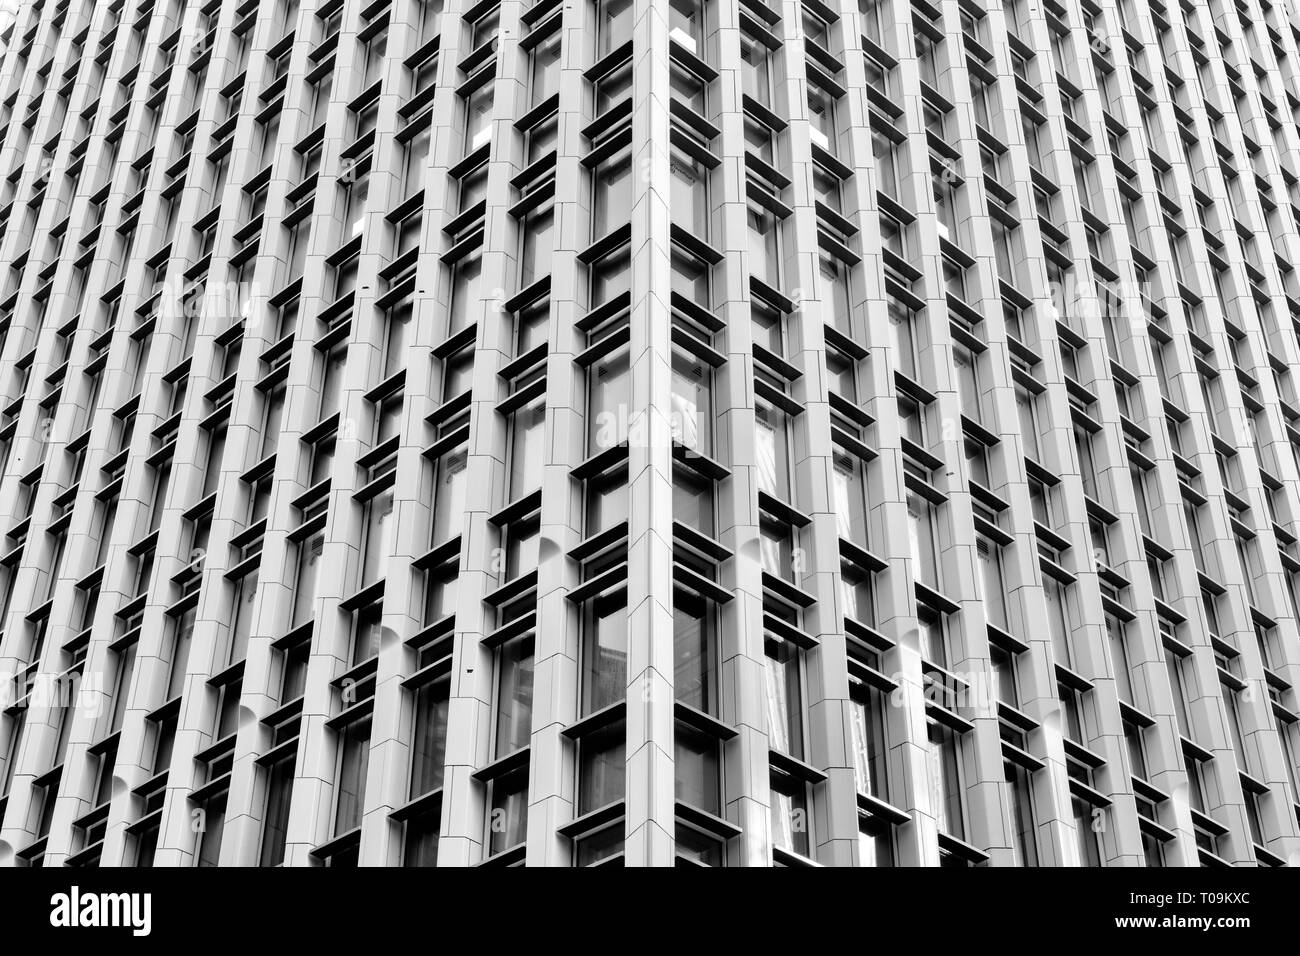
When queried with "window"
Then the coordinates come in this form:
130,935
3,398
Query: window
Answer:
968,386
422,838
611,276
694,652
945,778
611,204
789,814
870,749
367,632
354,759
613,25
449,495
356,192
609,400
1115,633
821,116
911,419
607,501
478,116
527,430
688,88
601,767
397,326
508,811
836,306
415,156
1088,821
775,547
604,651
759,139
532,326
690,418
902,327
989,582
466,292
1003,665
692,500
689,199
858,593
540,140
696,768
275,825
921,534
686,23
379,533
614,87
691,276
514,694
1023,846
772,451
544,76
1174,668
850,497
183,626
309,560
888,157
1058,619
764,245
538,229
241,625
784,697
1028,422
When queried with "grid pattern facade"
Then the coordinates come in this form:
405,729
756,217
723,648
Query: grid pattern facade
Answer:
649,432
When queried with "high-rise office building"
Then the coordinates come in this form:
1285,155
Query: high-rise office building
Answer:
650,432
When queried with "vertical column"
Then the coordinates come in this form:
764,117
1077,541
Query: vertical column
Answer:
650,798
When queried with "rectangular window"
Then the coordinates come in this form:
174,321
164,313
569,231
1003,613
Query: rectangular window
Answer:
694,652
764,245
544,68
609,400
538,230
789,814
691,414
921,535
1023,845
850,498
309,560
611,204
604,652
508,811
514,694
756,69
772,451
613,25
989,582
275,826
870,749
354,759
784,697
379,532
601,768
696,769
689,199
528,426
945,778
449,495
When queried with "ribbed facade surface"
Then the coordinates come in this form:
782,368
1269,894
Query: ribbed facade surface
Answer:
650,433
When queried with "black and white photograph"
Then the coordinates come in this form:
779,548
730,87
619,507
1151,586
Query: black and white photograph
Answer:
446,436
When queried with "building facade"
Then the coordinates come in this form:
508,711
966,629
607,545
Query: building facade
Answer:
649,433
